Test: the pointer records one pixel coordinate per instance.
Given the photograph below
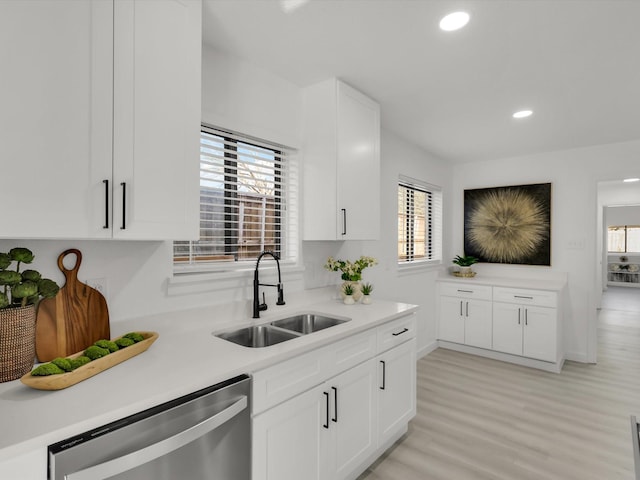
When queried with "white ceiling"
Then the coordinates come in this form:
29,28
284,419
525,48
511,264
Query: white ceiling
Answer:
576,63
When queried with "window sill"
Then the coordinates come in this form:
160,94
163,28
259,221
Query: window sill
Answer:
187,281
418,267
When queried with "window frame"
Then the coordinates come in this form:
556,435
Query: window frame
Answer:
626,236
433,224
285,208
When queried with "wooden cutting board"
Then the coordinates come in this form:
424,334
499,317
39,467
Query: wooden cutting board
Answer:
74,319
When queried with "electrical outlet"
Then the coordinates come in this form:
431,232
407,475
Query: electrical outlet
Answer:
100,284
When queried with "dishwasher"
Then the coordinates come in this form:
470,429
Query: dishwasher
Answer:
203,435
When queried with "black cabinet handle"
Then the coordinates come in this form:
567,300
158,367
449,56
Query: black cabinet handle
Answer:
106,203
404,330
460,307
344,221
526,317
124,205
335,404
519,316
384,375
326,397
467,309
520,296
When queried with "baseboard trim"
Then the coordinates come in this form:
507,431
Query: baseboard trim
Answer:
505,357
426,350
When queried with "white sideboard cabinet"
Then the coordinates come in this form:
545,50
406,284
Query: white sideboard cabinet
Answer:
520,325
341,131
100,118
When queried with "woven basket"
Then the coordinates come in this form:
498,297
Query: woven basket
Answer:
17,341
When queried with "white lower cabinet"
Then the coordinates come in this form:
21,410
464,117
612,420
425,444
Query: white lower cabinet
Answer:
396,389
333,430
525,330
493,321
288,439
352,421
465,314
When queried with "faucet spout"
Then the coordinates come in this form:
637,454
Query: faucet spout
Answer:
257,306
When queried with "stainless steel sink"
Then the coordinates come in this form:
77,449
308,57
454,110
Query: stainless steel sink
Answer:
258,336
307,323
267,334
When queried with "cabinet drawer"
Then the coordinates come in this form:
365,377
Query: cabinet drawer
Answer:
540,298
480,292
396,332
287,379
350,352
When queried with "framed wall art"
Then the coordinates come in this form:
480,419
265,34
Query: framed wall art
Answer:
509,224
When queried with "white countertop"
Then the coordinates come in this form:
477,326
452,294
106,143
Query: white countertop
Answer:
556,283
185,358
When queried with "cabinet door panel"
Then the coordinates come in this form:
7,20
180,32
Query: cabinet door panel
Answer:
358,165
397,401
157,119
540,333
353,418
507,328
451,323
477,323
288,439
55,120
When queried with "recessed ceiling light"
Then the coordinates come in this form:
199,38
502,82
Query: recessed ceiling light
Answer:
629,180
522,114
454,21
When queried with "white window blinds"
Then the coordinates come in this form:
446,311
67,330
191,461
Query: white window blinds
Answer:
246,194
419,222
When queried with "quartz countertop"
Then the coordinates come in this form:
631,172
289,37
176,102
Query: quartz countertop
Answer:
185,358
556,283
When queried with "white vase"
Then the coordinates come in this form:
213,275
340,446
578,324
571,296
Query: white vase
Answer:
357,292
466,270
366,299
348,300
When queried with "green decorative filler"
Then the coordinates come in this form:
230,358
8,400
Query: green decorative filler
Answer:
366,288
348,290
99,349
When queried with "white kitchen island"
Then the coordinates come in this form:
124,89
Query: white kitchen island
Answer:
185,358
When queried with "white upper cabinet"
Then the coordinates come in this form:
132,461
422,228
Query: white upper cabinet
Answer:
56,115
157,52
341,152
97,94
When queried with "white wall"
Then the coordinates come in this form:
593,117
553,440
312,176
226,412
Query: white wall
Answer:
241,97
397,157
574,175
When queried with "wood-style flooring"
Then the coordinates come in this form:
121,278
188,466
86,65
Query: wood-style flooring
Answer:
483,419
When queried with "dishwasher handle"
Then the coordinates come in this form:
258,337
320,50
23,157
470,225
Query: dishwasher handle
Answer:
144,455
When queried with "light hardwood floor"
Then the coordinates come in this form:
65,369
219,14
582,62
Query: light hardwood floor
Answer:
483,419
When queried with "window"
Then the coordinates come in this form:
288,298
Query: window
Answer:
624,239
245,198
419,222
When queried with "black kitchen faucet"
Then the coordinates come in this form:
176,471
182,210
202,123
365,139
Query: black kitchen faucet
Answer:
257,306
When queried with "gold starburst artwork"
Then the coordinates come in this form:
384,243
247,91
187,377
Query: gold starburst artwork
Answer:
509,224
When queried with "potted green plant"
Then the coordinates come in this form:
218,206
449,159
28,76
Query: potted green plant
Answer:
351,272
366,289
465,262
347,290
19,295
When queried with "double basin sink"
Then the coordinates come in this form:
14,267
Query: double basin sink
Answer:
278,331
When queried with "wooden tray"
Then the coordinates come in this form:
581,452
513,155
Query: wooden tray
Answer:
64,380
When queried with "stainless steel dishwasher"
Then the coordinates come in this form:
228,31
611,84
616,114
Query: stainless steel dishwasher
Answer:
203,435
